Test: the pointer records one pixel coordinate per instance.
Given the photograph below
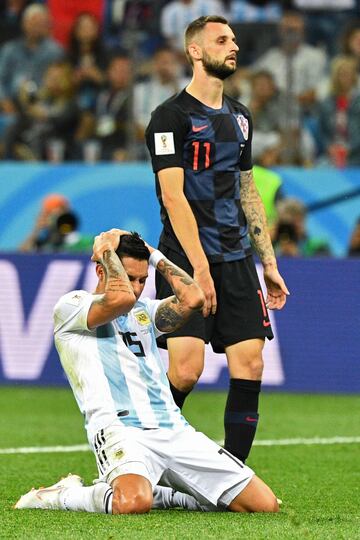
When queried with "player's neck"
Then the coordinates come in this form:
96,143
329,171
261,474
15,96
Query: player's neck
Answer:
206,89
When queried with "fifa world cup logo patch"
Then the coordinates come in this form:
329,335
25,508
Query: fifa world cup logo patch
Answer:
164,143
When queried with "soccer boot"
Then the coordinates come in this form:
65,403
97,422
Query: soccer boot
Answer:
48,497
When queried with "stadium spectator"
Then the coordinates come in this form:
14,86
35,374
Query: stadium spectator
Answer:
133,26
26,58
350,40
254,10
291,238
295,66
164,81
268,104
200,145
63,15
88,57
109,123
267,148
107,346
339,115
48,116
354,244
177,14
56,229
10,19
325,19
274,111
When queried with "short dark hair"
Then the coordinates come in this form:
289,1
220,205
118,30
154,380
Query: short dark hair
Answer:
197,26
132,245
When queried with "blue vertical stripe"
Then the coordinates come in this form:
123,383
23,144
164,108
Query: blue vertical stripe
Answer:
108,351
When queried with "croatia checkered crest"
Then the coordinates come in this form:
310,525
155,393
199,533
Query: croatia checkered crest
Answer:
243,125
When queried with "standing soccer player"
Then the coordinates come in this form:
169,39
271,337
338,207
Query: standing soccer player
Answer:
200,145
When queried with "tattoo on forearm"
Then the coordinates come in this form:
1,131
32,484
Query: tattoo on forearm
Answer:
170,270
116,277
255,214
176,310
167,319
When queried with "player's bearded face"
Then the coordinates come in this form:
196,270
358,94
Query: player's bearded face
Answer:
217,68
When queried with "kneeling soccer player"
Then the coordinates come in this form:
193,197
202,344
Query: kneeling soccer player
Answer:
147,454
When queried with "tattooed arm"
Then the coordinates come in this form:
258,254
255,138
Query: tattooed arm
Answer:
188,298
255,215
114,293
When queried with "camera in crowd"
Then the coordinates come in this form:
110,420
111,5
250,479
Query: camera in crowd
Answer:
56,234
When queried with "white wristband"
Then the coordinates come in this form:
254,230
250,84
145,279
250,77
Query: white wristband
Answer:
155,257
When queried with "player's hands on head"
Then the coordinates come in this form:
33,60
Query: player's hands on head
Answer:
276,289
104,241
204,280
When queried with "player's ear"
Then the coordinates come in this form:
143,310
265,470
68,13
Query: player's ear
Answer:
195,51
100,271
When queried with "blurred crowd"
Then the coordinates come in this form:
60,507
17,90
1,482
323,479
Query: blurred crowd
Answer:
78,81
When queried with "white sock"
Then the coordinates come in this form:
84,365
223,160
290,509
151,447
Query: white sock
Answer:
96,498
165,497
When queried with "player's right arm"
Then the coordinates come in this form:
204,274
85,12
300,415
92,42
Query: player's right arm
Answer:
183,222
118,296
170,121
188,297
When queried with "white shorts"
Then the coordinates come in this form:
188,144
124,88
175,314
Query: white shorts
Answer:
183,459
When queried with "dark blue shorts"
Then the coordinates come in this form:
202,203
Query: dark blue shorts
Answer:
241,312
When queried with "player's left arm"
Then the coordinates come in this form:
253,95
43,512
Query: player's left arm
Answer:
255,215
188,298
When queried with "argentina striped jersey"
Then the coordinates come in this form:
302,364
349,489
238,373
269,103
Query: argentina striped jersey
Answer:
115,371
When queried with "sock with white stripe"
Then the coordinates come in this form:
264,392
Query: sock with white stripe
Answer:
96,498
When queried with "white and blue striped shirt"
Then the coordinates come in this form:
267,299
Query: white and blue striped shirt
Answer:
115,371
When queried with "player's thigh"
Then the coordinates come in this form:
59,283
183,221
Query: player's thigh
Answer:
255,497
202,468
118,453
245,359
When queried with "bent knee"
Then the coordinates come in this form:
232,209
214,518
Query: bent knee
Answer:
269,504
266,504
256,368
185,376
188,375
256,497
137,504
252,367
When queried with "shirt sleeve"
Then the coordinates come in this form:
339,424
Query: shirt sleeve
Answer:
165,136
71,312
246,158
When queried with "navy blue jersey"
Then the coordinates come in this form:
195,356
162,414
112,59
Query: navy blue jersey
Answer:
212,146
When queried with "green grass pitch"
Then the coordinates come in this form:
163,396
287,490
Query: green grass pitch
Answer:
319,484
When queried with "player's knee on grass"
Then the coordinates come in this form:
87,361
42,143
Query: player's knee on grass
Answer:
132,494
131,504
256,497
